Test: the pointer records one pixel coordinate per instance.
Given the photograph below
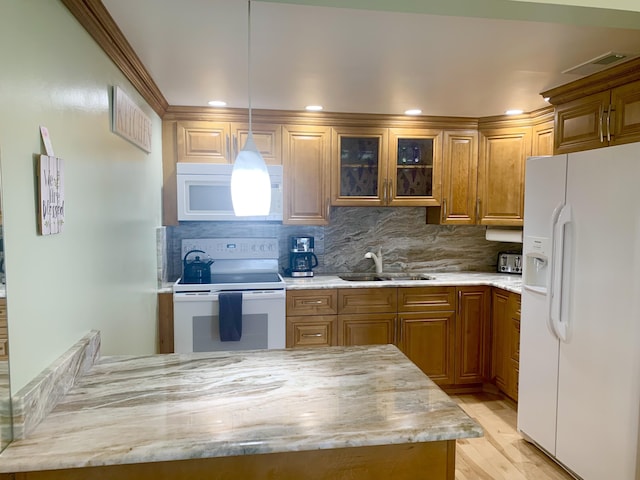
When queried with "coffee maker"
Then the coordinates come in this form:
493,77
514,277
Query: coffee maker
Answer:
302,260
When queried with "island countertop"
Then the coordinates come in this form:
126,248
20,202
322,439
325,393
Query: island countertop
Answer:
158,408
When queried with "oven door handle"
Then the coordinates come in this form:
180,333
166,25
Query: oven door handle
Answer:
247,295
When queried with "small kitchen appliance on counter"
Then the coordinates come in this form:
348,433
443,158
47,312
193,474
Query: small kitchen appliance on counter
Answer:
509,262
302,260
195,270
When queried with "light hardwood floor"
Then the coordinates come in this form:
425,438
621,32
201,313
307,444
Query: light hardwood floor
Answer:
501,453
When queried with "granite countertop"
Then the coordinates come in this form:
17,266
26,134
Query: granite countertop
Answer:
512,283
184,406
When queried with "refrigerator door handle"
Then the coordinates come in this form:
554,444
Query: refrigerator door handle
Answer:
552,269
560,326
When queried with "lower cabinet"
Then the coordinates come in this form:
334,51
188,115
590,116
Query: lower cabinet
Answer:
506,341
472,332
312,319
367,316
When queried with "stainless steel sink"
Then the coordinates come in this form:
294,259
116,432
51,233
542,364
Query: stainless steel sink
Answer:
359,277
379,277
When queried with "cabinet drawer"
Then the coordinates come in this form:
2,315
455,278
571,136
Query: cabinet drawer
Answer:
320,331
368,300
312,302
421,299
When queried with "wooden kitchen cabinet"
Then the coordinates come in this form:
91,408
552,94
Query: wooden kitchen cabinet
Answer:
426,318
374,166
610,117
542,138
505,320
472,334
459,180
220,142
501,164
367,316
306,175
312,318
165,323
414,167
358,166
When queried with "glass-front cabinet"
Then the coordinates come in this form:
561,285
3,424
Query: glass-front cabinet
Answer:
386,166
415,158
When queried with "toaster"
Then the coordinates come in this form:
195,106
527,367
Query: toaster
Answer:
509,262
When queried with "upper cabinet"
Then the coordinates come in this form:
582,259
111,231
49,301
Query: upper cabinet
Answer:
597,111
501,163
220,142
306,175
385,166
358,166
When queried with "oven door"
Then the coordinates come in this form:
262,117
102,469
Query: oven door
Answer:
196,321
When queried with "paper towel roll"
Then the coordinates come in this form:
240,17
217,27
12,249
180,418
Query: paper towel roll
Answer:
504,235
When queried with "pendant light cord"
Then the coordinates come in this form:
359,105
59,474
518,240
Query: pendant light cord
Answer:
249,63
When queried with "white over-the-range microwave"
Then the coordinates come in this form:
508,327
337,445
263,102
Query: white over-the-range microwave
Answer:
204,193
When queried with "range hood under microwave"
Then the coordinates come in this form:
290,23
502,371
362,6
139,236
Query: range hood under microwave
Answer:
204,193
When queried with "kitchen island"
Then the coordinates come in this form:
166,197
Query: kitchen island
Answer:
340,412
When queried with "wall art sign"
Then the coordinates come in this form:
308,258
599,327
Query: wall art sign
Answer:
50,195
129,121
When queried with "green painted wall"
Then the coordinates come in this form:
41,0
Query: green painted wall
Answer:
100,273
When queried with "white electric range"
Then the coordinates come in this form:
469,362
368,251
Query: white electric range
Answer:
247,265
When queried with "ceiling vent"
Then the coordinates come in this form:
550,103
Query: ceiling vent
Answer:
599,63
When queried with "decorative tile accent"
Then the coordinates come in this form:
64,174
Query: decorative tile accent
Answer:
36,399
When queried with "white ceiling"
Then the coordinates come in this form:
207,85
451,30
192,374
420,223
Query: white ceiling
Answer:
369,61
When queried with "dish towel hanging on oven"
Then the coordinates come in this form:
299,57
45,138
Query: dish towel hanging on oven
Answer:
230,313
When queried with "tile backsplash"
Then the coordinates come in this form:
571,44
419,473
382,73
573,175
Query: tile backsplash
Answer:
407,242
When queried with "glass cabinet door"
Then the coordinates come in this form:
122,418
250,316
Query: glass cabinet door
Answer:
359,173
414,167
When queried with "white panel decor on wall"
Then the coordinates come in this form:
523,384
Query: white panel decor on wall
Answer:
50,195
129,121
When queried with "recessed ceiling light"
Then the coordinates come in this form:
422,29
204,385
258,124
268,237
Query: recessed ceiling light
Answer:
413,111
515,111
217,103
546,99
313,108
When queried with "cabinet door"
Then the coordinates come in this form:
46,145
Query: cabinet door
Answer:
368,300
625,101
499,339
414,167
165,323
513,346
203,142
358,165
427,339
306,175
460,178
579,124
472,334
267,137
542,139
503,153
312,302
312,331
366,329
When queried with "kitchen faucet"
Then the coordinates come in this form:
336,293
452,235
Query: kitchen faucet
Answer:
377,259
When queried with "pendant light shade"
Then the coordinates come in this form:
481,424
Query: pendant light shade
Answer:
250,182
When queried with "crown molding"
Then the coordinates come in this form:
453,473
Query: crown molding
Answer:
97,21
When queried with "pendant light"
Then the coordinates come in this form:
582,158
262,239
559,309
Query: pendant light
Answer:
250,182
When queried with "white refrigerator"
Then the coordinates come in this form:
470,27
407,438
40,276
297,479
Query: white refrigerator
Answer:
579,386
